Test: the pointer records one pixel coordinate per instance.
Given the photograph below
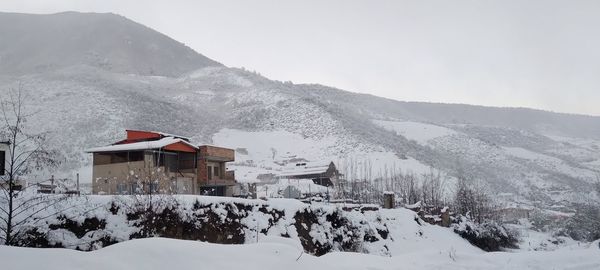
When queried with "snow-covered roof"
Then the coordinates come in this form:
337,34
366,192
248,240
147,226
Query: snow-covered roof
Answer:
172,135
146,145
305,168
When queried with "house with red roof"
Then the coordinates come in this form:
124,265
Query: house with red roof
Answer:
151,162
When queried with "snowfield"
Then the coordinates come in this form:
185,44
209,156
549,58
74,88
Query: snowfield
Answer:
279,253
419,132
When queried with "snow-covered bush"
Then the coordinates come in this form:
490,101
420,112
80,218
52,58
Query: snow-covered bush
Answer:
585,224
489,235
100,221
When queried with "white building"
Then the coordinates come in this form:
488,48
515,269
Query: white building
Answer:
321,173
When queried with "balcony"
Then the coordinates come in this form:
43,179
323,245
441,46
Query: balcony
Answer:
227,180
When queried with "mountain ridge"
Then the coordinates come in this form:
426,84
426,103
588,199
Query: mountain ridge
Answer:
38,43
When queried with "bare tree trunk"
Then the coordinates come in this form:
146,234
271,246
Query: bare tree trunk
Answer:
26,153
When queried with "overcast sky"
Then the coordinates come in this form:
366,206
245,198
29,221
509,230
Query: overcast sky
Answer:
540,54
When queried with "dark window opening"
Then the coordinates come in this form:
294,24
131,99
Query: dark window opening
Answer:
119,157
2,162
210,173
169,160
187,161
136,156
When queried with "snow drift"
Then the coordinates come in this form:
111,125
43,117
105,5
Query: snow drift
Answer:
278,253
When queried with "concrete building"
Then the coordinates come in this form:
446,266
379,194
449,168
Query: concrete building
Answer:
155,162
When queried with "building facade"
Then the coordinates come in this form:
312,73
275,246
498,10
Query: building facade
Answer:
149,162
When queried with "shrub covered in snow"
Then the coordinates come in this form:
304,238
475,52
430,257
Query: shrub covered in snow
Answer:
488,235
585,224
101,221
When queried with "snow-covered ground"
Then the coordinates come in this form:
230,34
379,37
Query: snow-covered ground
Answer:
281,253
419,132
386,232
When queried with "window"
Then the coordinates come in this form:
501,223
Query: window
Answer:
134,188
187,161
136,156
210,174
154,187
2,162
170,162
101,159
122,188
216,171
120,157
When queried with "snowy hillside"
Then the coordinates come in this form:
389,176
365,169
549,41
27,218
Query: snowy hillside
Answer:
47,42
140,79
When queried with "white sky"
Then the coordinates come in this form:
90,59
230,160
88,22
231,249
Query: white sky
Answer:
540,54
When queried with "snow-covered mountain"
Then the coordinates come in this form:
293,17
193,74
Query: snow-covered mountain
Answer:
93,75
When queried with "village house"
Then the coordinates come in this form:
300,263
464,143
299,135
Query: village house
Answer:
155,162
321,173
512,214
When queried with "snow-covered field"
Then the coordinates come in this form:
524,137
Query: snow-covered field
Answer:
280,253
419,132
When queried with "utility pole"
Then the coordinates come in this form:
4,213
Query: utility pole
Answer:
78,192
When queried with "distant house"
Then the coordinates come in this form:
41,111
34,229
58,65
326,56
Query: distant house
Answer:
267,178
321,173
157,162
514,213
46,188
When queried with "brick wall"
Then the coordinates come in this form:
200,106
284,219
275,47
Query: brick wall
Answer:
213,151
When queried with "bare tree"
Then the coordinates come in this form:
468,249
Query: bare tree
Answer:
472,201
433,186
27,152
